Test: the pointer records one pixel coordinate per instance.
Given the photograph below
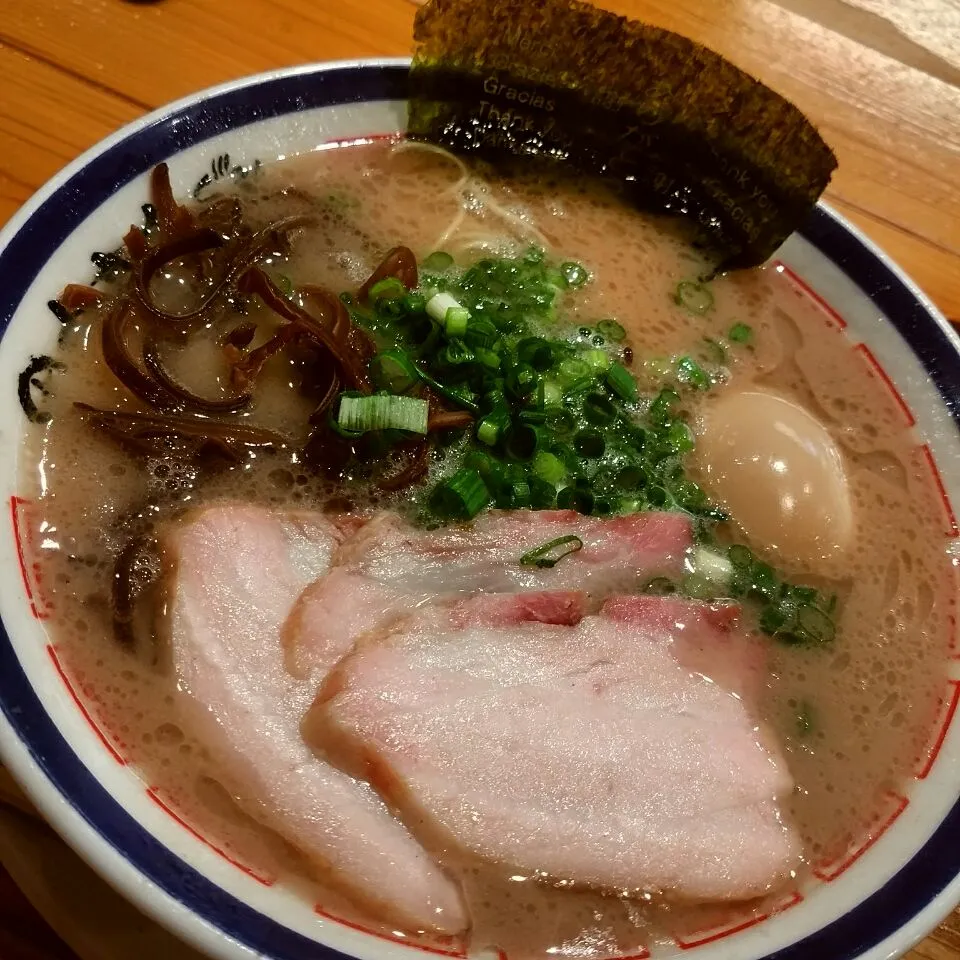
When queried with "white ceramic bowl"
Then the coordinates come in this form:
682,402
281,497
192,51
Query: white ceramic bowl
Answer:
874,905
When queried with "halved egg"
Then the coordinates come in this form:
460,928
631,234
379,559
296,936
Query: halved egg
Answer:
778,471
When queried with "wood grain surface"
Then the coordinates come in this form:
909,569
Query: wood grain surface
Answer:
880,78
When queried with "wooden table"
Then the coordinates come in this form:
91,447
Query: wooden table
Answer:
881,78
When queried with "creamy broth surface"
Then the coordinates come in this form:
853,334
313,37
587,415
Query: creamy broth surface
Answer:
854,718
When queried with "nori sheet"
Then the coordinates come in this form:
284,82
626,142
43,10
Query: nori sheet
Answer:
682,128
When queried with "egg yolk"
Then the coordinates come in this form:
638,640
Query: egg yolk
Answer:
778,471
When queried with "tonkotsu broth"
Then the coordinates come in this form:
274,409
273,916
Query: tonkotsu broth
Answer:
871,696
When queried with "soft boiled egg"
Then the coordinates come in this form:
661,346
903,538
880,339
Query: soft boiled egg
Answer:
778,471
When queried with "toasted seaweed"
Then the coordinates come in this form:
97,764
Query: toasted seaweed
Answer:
685,130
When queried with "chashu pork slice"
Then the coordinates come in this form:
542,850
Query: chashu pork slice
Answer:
389,568
619,554
620,753
236,572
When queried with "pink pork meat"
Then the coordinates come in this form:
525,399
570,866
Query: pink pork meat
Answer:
236,572
619,753
389,568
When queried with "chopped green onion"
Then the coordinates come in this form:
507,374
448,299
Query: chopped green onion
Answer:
482,333
575,498
657,496
698,586
574,274
549,467
621,382
519,494
414,303
543,495
741,557
492,426
630,477
448,392
589,443
662,406
537,352
552,392
598,409
389,288
763,581
549,554
602,507
693,296
522,380
690,496
679,437
572,370
284,283
560,421
596,360
437,262
612,330
461,496
439,304
777,619
383,411
537,417
741,333
713,565
393,370
489,358
523,441
716,350
456,353
691,373
482,462
813,625
455,321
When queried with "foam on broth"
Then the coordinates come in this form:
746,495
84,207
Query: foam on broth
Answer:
873,694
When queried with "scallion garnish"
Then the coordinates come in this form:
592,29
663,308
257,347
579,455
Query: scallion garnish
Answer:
383,411
621,382
598,409
691,373
549,467
440,303
679,437
572,370
574,274
393,371
560,421
693,296
740,333
596,360
589,444
455,321
611,330
523,441
715,349
389,288
549,554
438,261
460,497
491,427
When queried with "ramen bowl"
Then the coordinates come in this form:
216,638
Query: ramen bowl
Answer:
874,902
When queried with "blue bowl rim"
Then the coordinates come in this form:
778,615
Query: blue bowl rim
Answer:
35,234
